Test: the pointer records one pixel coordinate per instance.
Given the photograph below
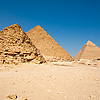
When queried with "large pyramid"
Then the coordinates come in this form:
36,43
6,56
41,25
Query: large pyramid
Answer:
46,44
16,47
89,51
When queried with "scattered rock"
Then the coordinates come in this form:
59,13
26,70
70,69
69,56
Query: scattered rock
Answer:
12,96
92,96
16,70
25,99
96,79
59,92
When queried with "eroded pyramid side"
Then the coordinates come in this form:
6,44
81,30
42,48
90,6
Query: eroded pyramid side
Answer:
89,51
16,47
46,44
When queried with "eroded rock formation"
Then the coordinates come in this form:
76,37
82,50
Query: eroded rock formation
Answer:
16,47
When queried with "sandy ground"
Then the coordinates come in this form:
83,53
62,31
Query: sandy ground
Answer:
53,81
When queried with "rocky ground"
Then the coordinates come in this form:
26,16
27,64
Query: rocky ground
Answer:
51,81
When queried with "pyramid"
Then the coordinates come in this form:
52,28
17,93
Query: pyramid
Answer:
89,51
16,47
46,44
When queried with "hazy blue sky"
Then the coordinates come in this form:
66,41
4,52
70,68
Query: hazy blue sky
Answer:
70,22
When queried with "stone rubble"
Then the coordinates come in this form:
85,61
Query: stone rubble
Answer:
16,47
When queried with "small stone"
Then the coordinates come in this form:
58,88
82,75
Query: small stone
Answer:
92,96
96,79
12,96
59,92
13,83
80,78
23,91
16,70
25,99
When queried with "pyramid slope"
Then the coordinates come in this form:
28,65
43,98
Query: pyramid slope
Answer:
16,47
89,51
46,44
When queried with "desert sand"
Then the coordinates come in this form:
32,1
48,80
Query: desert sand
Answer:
51,81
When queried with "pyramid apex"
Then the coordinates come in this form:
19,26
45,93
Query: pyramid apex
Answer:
89,43
14,25
38,26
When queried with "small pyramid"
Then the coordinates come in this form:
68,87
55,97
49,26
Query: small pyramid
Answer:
89,51
46,44
16,47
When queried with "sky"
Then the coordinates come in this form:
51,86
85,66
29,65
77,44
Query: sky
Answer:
70,22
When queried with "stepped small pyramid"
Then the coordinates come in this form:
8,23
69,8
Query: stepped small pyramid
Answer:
89,51
46,44
16,47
